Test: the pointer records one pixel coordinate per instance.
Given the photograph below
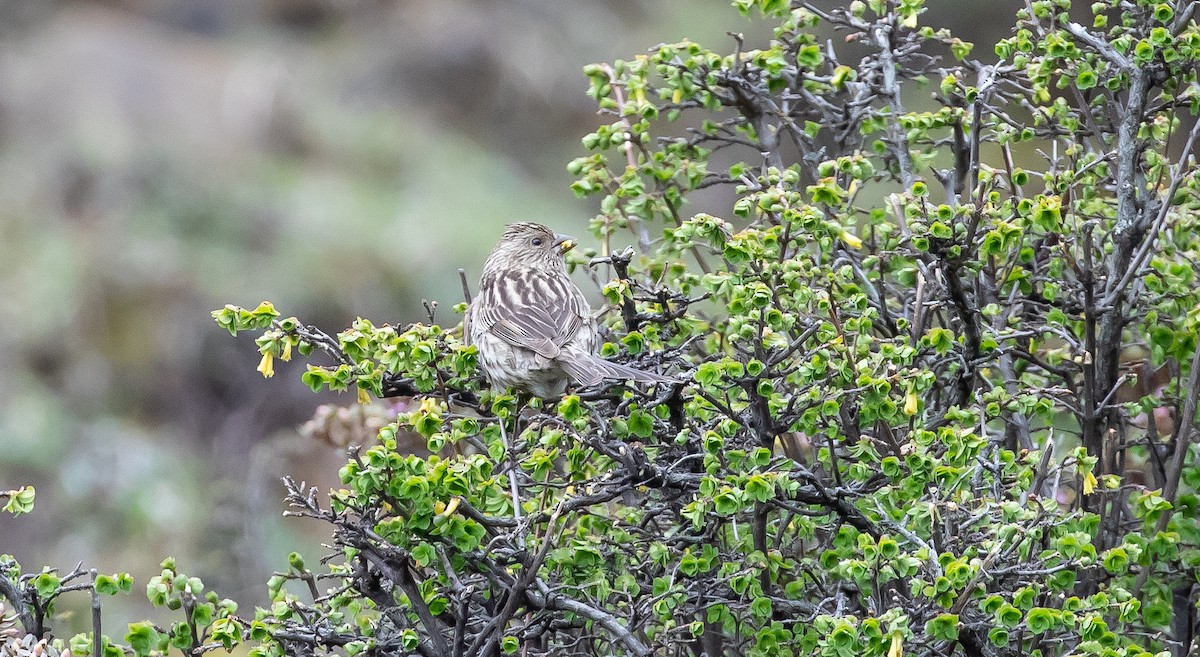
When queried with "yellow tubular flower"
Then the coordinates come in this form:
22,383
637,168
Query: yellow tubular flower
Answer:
266,366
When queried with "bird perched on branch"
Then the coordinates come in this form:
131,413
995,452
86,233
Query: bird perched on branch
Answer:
532,326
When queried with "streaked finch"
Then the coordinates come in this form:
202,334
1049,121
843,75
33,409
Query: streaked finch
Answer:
532,326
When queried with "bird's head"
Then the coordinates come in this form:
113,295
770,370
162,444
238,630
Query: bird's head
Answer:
532,246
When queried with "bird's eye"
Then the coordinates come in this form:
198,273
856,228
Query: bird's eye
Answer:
537,241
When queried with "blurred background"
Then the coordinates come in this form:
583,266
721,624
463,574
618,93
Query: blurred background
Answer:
341,158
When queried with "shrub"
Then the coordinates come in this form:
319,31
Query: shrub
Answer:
921,346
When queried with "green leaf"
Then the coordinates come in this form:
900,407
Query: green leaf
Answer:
46,584
641,424
1116,560
1009,616
708,374
19,501
571,408
844,637
202,614
142,638
943,627
181,637
761,608
296,562
727,503
107,585
1041,619
809,56
1157,614
424,554
80,644
941,339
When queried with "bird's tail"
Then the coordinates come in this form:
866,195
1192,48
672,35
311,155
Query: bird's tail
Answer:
627,373
589,370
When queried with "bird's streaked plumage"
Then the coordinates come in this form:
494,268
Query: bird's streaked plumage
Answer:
532,326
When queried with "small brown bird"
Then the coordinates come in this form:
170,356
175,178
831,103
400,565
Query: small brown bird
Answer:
532,326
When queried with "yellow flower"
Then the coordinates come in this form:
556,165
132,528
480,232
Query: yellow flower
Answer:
910,403
287,351
1089,483
851,240
363,397
267,365
451,507
897,648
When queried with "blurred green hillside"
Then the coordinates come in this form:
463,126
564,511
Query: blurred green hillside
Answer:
160,158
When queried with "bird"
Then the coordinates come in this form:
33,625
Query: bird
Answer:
531,325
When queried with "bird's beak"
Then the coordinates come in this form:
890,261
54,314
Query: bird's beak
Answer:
564,242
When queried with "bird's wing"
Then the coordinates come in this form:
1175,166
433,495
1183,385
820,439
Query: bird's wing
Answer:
532,309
